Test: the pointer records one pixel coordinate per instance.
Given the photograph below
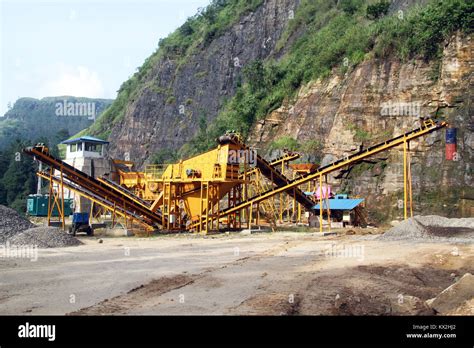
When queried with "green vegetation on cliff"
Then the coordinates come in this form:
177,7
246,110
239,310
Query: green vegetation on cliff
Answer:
337,36
322,38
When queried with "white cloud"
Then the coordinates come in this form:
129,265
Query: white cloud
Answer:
74,81
72,15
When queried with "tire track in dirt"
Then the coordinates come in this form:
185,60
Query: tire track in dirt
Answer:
137,297
149,294
281,280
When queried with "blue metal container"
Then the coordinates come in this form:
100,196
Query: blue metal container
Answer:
451,135
82,218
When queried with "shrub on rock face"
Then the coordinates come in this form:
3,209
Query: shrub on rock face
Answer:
350,6
285,143
378,10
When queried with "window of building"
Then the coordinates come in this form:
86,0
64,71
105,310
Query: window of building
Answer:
93,147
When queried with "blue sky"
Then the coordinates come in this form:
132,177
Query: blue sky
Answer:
83,48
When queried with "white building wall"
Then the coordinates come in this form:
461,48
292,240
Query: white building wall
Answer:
83,153
91,163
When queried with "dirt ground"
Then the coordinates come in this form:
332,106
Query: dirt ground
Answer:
283,273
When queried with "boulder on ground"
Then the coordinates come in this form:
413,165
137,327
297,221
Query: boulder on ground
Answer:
457,295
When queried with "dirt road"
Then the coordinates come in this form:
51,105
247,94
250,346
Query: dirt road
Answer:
279,274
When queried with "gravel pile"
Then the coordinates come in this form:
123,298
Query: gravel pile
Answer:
432,227
45,237
11,223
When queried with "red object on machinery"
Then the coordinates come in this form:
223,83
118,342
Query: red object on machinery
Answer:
450,152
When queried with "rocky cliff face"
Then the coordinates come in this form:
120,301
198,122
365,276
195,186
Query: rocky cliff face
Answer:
379,100
376,100
175,96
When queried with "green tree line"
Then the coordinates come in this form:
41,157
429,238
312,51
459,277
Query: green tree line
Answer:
18,171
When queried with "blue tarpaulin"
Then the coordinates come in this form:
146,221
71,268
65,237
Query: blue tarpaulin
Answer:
340,204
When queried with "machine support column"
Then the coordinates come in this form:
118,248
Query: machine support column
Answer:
320,203
328,209
207,207
405,197
281,194
218,205
200,209
113,216
410,191
294,204
50,208
258,214
61,213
